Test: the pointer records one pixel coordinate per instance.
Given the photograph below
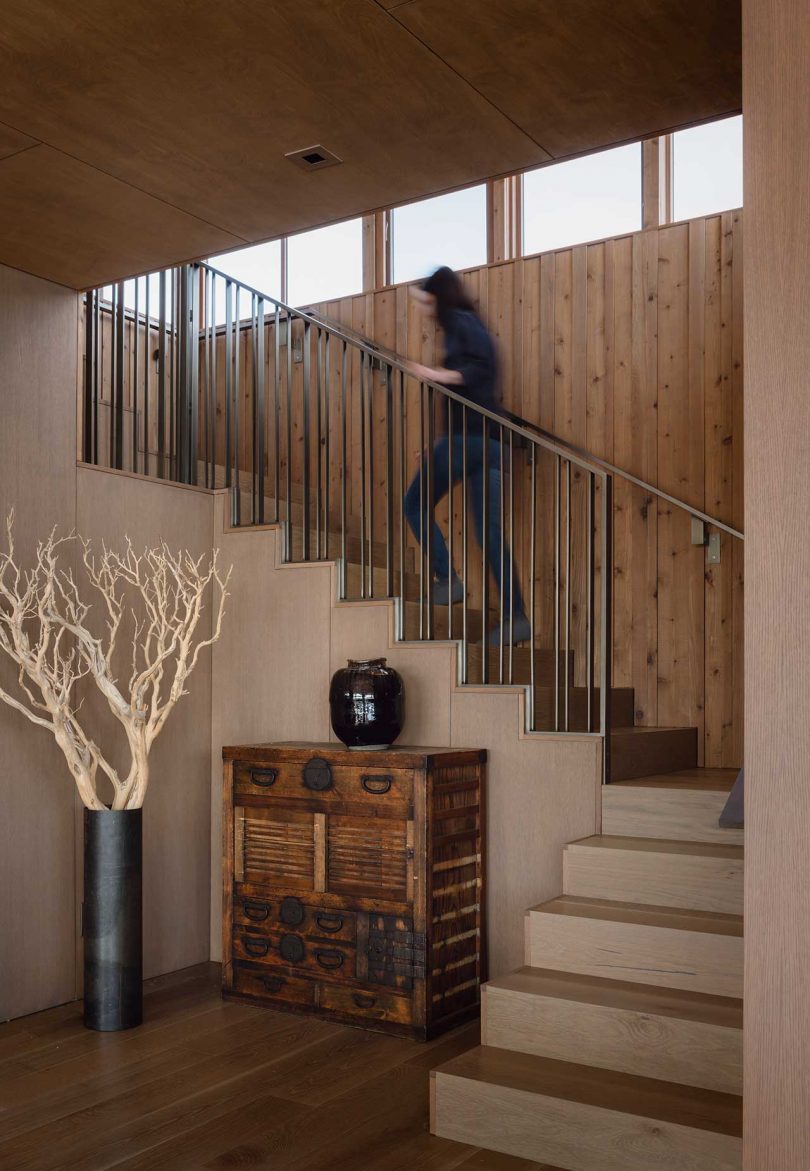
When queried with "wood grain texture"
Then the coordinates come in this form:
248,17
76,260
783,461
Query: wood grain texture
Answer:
583,1117
702,876
777,657
673,808
203,1081
631,348
678,949
38,908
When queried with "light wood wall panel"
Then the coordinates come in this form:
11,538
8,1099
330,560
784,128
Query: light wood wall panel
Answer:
776,45
38,906
631,348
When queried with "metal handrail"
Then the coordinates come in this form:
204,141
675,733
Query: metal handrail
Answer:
571,450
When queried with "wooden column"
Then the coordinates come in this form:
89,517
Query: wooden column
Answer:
656,181
504,218
776,102
377,268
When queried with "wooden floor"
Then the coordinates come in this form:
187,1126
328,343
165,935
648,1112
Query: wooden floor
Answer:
205,1084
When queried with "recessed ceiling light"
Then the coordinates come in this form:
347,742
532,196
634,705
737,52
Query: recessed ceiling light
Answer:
313,158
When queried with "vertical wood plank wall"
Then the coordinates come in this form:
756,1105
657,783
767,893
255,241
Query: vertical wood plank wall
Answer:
632,349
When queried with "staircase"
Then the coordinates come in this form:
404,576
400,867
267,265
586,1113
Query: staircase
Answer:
618,1047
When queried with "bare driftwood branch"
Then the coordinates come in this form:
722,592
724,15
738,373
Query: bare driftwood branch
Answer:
43,629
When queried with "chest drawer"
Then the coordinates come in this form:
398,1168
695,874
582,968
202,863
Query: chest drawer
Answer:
265,983
288,949
287,912
370,1005
310,781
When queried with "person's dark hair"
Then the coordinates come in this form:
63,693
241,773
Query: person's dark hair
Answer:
445,285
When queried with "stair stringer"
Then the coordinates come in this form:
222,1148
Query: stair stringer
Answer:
286,634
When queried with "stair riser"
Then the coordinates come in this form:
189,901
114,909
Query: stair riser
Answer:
686,815
694,960
571,1134
658,880
661,750
667,1048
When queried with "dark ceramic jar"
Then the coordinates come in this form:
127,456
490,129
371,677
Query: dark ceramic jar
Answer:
367,704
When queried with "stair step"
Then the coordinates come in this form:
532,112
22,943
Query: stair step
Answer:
684,1037
699,951
544,661
583,1118
683,805
702,876
638,752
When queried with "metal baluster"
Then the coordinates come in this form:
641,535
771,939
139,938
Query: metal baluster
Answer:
512,575
389,481
136,349
450,516
465,661
192,330
120,368
172,453
362,473
327,443
97,373
422,506
589,607
567,593
89,375
371,483
228,390
237,405
318,421
206,389
501,611
485,554
259,438
431,511
307,356
161,387
532,562
343,470
402,522
213,403
606,627
289,541
147,365
557,568
277,415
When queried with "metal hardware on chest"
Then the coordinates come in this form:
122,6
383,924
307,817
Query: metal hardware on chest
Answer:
263,777
330,958
292,911
326,922
376,784
255,946
273,983
317,775
291,948
254,910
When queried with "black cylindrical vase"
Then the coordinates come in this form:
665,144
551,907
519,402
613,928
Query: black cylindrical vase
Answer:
367,704
112,923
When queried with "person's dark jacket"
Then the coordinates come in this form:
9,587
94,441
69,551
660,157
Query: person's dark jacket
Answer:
470,351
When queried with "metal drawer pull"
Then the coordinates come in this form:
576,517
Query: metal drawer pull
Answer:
273,983
263,777
364,1001
376,785
330,959
255,911
255,947
329,922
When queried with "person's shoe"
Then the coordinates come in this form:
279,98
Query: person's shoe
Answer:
521,631
442,595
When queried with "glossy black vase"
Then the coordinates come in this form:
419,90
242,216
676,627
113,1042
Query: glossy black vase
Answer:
367,704
112,923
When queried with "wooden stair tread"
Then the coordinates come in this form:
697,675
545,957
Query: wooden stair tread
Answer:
703,779
658,846
673,918
650,999
624,1093
646,730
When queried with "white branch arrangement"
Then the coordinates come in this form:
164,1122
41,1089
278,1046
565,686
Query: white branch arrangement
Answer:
43,629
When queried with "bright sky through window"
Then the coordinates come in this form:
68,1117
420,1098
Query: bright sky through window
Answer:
326,263
259,267
585,199
707,169
450,229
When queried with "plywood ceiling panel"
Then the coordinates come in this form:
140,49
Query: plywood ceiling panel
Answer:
73,234
193,106
583,74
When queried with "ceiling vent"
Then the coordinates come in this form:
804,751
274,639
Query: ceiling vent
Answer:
313,158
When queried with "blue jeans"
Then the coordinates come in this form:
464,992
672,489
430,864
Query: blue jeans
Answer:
448,463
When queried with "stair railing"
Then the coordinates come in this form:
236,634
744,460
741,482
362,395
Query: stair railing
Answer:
194,376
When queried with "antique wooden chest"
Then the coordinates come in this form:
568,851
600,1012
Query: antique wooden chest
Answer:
354,883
